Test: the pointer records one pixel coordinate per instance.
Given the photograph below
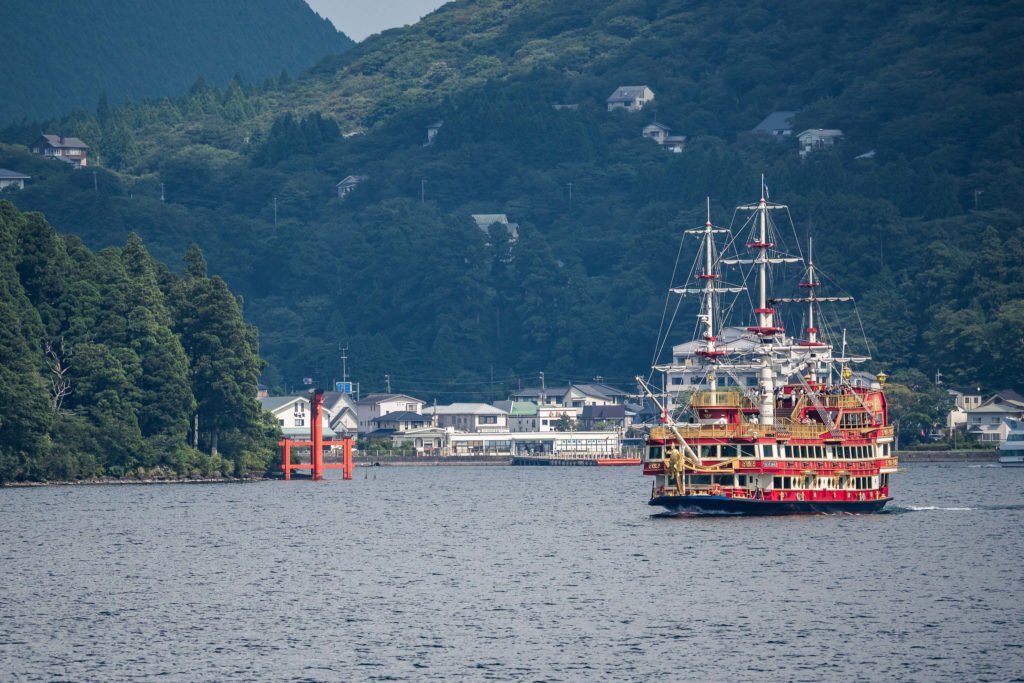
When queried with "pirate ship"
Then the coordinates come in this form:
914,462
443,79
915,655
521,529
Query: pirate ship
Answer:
754,420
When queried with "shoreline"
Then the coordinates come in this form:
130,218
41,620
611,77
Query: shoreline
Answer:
439,461
949,456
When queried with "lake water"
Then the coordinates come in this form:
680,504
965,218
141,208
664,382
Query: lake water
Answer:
502,573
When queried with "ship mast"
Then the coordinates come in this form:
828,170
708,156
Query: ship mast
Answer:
812,300
709,292
766,328
766,315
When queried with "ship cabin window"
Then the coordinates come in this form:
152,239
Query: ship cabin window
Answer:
706,451
723,480
748,450
885,480
741,479
784,482
654,453
700,480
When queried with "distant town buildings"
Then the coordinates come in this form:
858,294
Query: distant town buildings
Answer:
67,149
585,419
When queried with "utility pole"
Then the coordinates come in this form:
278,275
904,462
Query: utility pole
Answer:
96,185
976,194
542,388
163,197
387,382
275,210
344,363
938,378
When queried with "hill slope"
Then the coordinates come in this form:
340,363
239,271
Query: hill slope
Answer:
927,232
64,54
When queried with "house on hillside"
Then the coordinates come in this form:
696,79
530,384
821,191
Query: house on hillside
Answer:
630,97
778,124
69,150
484,221
432,131
350,183
656,131
375,405
674,143
815,139
469,417
12,179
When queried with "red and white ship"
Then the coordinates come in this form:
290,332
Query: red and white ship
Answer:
755,421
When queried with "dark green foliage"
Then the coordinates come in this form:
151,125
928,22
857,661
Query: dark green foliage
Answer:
118,49
926,234
25,416
100,328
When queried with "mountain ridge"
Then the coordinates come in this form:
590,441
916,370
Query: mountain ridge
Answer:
398,270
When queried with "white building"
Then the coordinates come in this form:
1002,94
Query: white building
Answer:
447,442
469,417
989,421
373,406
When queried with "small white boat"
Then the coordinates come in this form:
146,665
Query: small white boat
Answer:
1011,451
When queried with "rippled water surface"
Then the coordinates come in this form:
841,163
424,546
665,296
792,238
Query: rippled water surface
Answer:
502,573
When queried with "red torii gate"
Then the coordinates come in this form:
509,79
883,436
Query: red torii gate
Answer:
317,443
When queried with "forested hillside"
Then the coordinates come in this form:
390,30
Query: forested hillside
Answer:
63,54
917,212
108,363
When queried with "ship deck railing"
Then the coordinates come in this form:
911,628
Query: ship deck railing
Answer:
784,428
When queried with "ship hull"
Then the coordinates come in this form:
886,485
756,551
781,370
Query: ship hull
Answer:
722,505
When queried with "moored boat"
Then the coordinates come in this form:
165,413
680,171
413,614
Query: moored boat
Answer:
1011,451
775,424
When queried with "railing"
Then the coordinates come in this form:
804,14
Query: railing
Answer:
839,401
749,430
711,399
712,431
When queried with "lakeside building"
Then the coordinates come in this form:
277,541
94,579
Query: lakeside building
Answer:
448,442
376,405
469,417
